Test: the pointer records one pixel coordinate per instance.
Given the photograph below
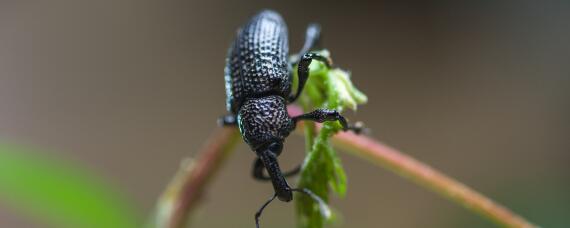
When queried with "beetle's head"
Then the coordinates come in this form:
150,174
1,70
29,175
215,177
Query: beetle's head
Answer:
264,123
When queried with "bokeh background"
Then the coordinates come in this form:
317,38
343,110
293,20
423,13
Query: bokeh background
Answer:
129,88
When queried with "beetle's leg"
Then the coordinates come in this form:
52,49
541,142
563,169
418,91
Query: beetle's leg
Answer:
303,71
312,38
293,172
312,41
258,171
322,115
227,120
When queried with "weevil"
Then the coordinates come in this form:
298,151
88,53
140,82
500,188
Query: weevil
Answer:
258,80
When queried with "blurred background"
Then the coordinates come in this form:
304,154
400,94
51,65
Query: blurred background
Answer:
127,89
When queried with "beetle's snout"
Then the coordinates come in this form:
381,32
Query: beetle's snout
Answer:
285,196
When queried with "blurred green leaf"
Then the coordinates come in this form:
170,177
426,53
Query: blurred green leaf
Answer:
322,168
58,193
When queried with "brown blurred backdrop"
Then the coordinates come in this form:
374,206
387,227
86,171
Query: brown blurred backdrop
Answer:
128,88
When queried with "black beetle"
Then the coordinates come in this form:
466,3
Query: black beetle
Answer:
258,80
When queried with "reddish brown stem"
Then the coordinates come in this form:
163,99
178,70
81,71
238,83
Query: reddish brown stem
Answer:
426,176
184,191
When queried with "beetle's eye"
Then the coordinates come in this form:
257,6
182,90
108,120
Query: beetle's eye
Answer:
276,147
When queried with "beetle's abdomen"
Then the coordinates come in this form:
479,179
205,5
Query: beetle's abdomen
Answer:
257,62
264,120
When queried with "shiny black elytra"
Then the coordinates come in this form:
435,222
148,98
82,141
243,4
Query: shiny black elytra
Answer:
258,80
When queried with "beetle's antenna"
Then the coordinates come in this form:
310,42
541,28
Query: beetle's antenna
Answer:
258,213
324,208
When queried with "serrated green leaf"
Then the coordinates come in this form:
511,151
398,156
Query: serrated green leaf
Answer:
342,94
339,182
322,169
59,193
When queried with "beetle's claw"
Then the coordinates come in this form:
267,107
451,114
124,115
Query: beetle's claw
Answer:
358,128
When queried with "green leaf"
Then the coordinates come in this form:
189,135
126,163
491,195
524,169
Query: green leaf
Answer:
322,169
338,184
59,193
342,94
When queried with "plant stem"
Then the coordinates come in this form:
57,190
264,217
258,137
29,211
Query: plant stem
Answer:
426,176
184,191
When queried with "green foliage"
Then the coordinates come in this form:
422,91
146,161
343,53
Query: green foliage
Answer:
58,193
322,168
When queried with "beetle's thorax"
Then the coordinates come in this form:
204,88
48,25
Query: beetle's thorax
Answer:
264,120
